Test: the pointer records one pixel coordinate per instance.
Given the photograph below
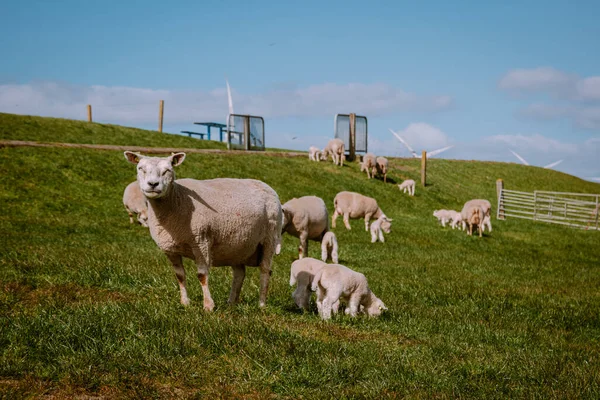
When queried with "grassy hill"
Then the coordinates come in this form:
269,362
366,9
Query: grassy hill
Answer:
90,306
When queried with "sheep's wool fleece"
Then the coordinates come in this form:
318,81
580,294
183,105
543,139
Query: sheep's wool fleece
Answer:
356,204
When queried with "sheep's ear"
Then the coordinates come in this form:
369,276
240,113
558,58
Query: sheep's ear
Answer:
132,157
177,159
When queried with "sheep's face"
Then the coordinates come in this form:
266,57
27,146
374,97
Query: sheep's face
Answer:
376,308
386,225
155,174
436,214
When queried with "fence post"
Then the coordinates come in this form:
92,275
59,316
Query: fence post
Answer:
352,137
161,110
423,168
499,189
89,112
247,132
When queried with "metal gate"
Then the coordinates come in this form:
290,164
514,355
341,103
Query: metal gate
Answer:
245,132
341,128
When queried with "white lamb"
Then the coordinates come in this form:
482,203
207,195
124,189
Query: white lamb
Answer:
314,153
487,209
336,148
135,203
369,164
214,222
305,218
329,247
408,186
382,167
444,216
382,224
335,282
302,273
354,205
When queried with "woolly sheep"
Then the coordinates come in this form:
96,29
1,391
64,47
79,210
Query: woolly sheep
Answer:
473,215
382,224
382,167
305,218
369,163
487,208
302,273
216,222
135,203
336,148
354,205
314,153
408,186
443,216
329,247
335,282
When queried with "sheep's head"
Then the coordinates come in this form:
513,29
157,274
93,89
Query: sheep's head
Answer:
155,174
376,306
436,213
386,224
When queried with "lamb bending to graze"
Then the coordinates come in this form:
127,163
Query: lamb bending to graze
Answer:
354,205
335,282
408,186
382,167
487,208
314,153
473,215
329,247
443,216
302,273
382,224
135,203
214,222
305,218
456,220
336,148
369,163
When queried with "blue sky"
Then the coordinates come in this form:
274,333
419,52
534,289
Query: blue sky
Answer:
486,77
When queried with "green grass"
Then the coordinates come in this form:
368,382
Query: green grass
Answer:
90,306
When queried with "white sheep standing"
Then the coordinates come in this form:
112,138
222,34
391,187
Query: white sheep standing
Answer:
487,208
135,203
369,164
382,167
302,273
354,205
335,282
216,222
408,186
473,215
305,218
314,153
382,224
336,148
443,216
329,247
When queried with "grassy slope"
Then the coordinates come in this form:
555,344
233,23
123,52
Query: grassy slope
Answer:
88,304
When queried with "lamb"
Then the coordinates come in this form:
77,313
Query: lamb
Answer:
216,222
135,203
382,224
354,205
314,153
444,216
336,148
329,247
305,218
335,282
456,220
382,167
473,215
408,186
302,273
486,206
369,163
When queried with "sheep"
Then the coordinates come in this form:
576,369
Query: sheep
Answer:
369,163
486,206
302,273
314,153
408,186
335,282
443,216
329,247
382,224
354,205
135,203
305,218
382,167
456,221
216,222
473,215
336,148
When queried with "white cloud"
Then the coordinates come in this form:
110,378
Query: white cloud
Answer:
585,117
537,79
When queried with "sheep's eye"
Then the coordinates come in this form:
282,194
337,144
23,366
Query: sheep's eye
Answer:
164,172
142,170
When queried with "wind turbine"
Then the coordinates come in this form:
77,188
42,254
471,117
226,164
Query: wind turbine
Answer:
549,166
414,153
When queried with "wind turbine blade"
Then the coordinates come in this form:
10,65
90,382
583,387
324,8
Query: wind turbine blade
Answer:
414,153
229,97
554,164
520,158
438,151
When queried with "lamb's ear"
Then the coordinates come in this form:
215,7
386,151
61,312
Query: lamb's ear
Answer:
177,159
132,157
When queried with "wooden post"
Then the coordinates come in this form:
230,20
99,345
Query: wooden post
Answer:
423,168
499,188
89,110
161,110
352,137
247,132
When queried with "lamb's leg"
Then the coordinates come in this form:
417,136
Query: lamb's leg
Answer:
373,236
444,222
368,173
381,238
385,177
367,219
326,306
130,216
334,218
265,272
353,305
347,221
180,274
239,273
335,307
303,249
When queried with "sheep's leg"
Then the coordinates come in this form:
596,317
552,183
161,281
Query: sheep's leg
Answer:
265,273
180,274
367,219
381,238
373,236
353,305
320,297
209,304
444,222
334,218
130,216
326,306
303,249
335,307
347,221
368,173
239,273
324,251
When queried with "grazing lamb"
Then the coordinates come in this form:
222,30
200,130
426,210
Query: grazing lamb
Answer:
456,220
382,167
336,148
314,153
335,282
369,163
443,216
354,205
408,186
302,273
305,218
487,208
135,203
216,222
382,224
329,247
473,215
